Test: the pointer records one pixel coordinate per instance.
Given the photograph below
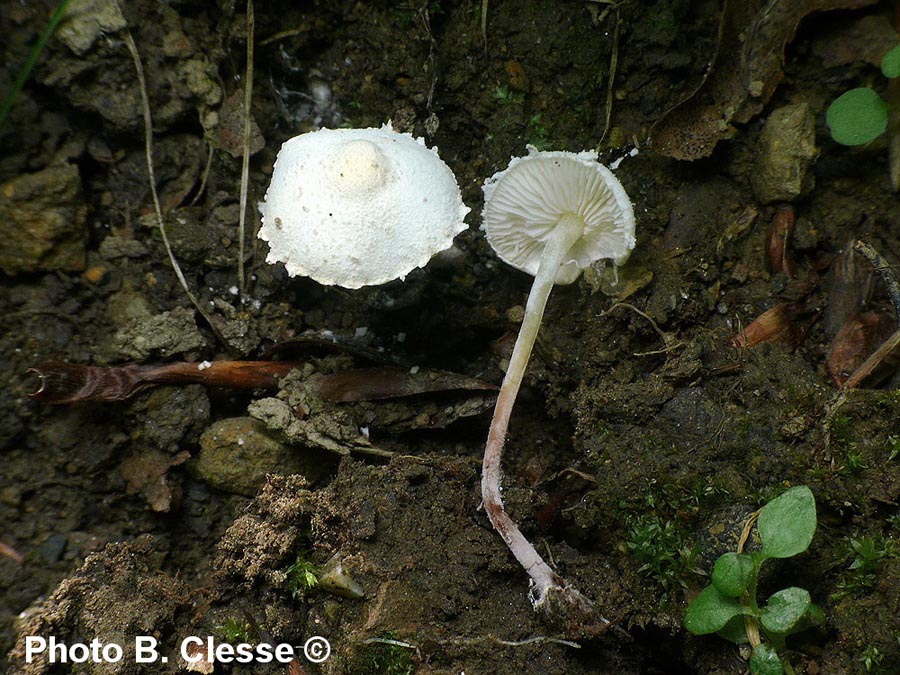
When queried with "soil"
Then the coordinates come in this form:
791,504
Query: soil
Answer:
643,437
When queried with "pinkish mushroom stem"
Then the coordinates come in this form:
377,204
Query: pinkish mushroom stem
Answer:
567,231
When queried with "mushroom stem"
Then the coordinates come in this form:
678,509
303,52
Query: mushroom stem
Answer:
567,231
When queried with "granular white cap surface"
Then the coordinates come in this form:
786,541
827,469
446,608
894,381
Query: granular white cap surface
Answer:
359,207
523,203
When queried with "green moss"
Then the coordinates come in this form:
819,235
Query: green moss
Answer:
663,550
841,429
888,401
539,134
387,656
234,631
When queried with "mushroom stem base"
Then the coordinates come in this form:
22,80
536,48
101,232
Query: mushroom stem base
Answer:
546,583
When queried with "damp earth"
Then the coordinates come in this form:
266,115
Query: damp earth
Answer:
665,403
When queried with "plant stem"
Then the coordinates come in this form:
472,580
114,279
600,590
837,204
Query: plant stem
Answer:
566,232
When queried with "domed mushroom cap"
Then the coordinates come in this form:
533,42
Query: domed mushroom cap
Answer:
523,203
359,207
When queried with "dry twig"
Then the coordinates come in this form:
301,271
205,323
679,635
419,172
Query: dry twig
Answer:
884,271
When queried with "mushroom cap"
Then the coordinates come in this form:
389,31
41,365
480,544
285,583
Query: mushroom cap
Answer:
523,203
359,207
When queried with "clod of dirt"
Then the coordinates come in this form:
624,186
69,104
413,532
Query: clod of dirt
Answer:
260,544
166,334
125,306
170,416
237,453
86,21
109,598
145,472
787,150
618,283
238,328
42,222
113,248
307,413
228,134
319,424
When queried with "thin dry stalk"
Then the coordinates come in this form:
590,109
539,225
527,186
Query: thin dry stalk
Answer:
887,348
611,78
750,623
245,160
205,178
884,271
151,175
11,553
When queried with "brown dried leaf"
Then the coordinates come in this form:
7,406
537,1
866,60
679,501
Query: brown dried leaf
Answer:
372,384
746,69
782,227
67,383
736,227
866,40
778,324
857,339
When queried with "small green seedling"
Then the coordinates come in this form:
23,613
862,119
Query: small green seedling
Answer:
302,576
729,606
869,554
860,115
505,96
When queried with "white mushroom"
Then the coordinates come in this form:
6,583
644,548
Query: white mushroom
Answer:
550,214
359,207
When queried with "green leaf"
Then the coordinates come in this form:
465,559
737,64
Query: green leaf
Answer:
857,117
890,63
785,610
710,611
787,523
734,631
764,661
732,574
